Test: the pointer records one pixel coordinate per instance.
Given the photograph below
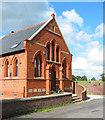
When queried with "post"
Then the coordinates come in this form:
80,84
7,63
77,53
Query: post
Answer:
48,83
61,81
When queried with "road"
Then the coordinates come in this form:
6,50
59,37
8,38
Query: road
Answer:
88,109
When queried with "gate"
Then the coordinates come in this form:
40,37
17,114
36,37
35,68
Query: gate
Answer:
73,87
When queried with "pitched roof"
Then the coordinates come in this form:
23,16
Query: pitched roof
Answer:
14,42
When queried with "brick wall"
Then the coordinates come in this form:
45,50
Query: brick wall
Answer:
95,89
80,91
44,37
21,106
13,87
68,86
36,87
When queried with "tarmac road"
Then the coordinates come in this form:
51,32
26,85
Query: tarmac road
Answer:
88,109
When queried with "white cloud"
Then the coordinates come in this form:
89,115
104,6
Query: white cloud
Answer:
68,31
83,36
72,16
70,24
80,63
75,49
96,56
93,44
98,31
81,66
79,45
92,64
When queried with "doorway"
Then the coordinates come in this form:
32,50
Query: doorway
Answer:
53,79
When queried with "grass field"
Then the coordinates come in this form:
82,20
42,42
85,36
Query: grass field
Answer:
84,83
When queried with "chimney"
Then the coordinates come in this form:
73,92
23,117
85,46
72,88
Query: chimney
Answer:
12,31
53,15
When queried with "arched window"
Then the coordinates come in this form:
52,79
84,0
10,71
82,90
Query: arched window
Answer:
7,75
64,69
16,68
48,52
35,67
57,54
52,51
38,66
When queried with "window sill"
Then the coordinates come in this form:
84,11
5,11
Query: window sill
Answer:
14,77
50,61
6,77
38,77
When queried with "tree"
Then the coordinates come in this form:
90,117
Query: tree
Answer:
73,78
78,78
93,79
103,76
84,78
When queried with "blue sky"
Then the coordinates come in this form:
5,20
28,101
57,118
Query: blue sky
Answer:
81,24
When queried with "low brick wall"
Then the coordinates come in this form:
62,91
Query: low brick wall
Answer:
15,107
95,89
80,91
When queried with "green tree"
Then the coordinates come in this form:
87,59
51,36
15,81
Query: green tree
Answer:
73,78
84,78
103,76
93,79
78,78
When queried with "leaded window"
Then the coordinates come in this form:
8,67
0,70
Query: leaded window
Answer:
38,66
52,51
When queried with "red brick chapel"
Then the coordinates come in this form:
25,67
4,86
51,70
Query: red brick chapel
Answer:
35,61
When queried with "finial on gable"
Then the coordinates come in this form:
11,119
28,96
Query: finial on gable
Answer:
53,15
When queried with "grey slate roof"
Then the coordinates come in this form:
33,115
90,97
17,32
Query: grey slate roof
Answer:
16,40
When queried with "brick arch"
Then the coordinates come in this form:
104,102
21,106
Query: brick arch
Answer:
53,76
13,63
54,66
54,51
57,46
48,57
4,70
36,53
52,40
14,58
48,42
42,57
67,66
65,60
5,60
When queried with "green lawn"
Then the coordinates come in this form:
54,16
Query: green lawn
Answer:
84,83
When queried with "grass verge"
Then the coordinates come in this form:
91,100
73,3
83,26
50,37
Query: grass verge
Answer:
40,110
84,83
49,108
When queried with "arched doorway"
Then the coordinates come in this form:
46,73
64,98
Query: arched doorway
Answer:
53,79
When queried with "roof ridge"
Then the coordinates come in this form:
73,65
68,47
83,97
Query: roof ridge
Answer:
25,28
